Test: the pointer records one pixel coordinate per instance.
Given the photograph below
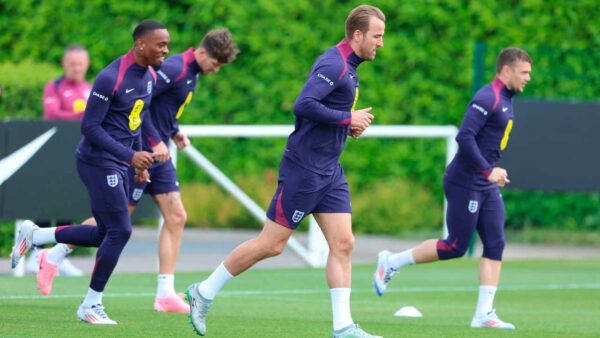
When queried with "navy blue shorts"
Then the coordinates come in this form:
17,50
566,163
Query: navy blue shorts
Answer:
163,177
301,192
108,188
469,210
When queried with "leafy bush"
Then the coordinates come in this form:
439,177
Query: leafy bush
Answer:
424,75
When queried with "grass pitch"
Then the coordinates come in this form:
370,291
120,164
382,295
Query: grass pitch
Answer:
559,298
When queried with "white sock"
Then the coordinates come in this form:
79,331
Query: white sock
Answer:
211,286
340,304
58,253
401,259
43,236
485,302
92,298
166,286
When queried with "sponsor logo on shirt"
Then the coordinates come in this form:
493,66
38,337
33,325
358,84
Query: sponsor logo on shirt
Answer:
100,96
325,78
483,111
504,109
164,76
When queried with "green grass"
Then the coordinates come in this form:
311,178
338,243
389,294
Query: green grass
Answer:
542,298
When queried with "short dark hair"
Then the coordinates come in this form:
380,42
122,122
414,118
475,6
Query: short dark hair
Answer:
509,56
145,27
359,19
219,44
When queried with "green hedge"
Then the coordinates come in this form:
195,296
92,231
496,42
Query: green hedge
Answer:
423,75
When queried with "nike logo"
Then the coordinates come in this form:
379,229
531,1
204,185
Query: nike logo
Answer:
189,81
504,109
13,162
127,91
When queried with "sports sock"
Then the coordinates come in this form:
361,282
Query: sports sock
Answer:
485,302
401,259
340,305
58,253
166,286
43,236
92,298
217,279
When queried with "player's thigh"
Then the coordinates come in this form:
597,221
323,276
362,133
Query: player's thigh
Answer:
107,187
492,217
462,212
336,227
170,205
274,235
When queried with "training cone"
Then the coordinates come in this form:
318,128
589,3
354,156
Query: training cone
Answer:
408,311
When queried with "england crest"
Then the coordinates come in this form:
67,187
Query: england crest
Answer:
473,206
112,180
297,216
137,194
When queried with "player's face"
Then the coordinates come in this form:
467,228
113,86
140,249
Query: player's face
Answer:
208,64
76,63
372,39
154,46
519,75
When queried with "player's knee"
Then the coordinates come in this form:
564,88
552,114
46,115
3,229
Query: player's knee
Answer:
494,249
274,249
177,218
451,250
120,235
343,246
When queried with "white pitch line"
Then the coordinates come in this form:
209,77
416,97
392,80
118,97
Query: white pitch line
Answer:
584,286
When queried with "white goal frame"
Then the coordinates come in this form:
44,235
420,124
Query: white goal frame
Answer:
315,254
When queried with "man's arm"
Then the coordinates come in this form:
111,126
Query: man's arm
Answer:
320,83
95,112
475,118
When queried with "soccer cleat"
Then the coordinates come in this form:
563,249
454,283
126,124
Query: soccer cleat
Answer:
172,303
199,308
66,268
24,241
352,331
490,320
46,273
383,273
94,315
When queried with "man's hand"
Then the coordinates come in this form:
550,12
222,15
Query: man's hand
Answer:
499,177
181,140
361,119
142,160
142,176
355,132
161,152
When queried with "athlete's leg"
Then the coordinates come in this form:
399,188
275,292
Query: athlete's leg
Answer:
169,241
337,228
270,242
461,217
491,230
